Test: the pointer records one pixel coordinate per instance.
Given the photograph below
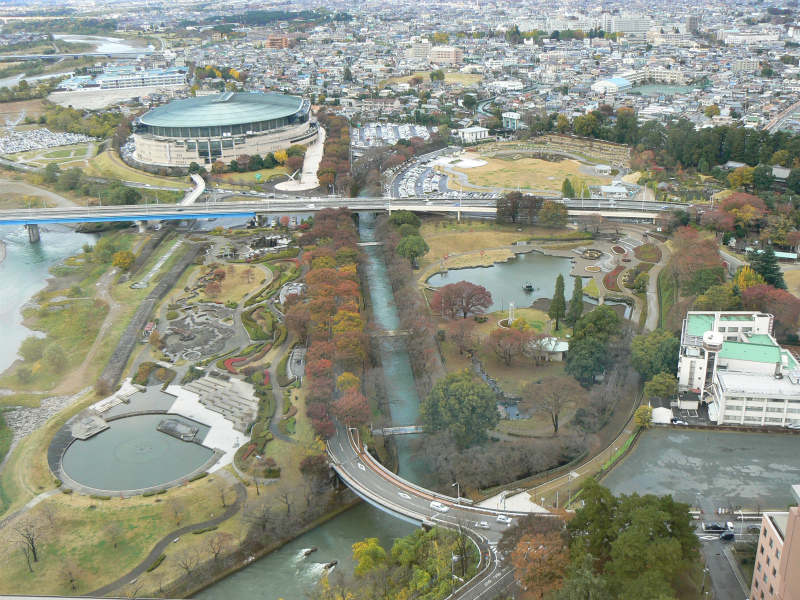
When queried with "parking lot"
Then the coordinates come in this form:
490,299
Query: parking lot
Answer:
718,469
421,180
374,135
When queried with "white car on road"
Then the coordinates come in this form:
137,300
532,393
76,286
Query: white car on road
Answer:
504,519
482,525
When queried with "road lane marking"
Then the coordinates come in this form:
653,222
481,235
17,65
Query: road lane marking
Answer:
403,495
362,467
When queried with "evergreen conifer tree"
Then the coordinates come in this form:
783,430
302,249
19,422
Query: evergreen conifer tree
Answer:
766,264
575,303
559,304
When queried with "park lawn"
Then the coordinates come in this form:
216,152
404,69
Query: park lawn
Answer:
112,167
666,293
450,78
74,329
79,535
234,288
792,279
249,178
10,201
591,288
528,174
647,253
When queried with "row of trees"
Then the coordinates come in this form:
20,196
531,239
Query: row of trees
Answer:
330,319
75,180
515,206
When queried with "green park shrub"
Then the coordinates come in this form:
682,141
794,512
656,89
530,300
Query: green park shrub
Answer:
198,477
155,565
172,315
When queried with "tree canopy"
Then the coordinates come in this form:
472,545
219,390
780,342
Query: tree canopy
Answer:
460,404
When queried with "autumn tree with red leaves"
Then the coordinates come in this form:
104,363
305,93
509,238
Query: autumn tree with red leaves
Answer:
462,299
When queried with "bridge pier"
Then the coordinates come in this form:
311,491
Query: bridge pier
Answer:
33,233
142,226
458,216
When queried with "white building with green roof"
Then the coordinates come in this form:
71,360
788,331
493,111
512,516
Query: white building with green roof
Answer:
732,361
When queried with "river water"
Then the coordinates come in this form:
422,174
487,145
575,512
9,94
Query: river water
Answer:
286,573
102,44
23,273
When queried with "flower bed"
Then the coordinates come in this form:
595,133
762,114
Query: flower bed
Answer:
592,269
618,250
610,280
648,253
250,449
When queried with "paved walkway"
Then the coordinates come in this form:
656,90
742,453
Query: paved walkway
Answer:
158,549
308,178
29,506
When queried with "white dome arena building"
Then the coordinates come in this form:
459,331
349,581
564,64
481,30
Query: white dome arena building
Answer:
221,127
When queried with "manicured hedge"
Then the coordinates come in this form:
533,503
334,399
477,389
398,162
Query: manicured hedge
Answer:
156,564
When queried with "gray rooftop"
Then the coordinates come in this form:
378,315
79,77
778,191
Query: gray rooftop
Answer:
223,109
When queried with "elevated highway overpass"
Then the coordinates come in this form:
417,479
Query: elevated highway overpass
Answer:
189,209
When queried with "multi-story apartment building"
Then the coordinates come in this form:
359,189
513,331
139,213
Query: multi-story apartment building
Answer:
446,55
776,575
746,65
732,361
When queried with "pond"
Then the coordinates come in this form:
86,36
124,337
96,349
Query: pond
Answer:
724,467
133,455
506,280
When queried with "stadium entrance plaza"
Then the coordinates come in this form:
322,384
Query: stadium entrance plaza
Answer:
728,469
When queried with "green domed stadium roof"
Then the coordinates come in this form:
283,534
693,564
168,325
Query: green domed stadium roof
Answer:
222,109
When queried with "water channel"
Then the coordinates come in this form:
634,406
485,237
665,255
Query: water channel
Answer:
24,272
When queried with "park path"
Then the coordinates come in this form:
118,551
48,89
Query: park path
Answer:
31,503
9,186
104,288
277,391
158,549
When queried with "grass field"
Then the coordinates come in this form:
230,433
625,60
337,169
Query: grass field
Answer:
527,174
249,179
792,279
445,237
11,200
450,78
666,293
104,165
234,288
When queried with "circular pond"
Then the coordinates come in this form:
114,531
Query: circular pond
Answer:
133,455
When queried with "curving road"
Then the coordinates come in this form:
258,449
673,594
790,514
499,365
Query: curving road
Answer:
405,500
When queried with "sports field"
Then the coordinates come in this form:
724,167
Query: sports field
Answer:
524,173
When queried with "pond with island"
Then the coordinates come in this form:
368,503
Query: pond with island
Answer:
507,281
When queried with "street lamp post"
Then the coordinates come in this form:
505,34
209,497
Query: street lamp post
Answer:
458,491
703,591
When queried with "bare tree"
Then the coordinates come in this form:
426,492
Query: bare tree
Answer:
175,508
553,395
218,543
50,512
537,347
258,515
188,560
26,552
463,544
132,589
114,531
69,571
287,496
29,534
462,334
158,578
222,489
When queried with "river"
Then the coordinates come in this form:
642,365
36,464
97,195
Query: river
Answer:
23,273
286,573
102,44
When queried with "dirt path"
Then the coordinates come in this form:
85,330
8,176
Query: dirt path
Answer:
104,286
9,186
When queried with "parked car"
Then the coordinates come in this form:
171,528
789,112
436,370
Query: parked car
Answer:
678,422
482,525
727,535
755,527
793,426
